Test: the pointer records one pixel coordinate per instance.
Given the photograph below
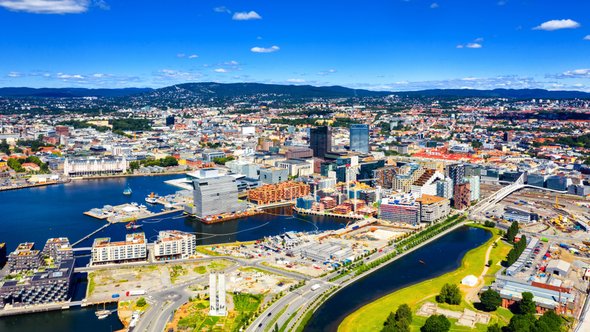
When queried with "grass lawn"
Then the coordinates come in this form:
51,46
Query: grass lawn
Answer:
194,315
371,316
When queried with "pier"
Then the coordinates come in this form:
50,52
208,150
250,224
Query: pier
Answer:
90,235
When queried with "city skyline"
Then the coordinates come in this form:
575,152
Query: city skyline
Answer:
386,45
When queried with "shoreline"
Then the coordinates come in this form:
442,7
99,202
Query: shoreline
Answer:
35,185
343,328
393,259
116,176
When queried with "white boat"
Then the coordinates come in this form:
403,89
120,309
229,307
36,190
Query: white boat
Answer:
152,198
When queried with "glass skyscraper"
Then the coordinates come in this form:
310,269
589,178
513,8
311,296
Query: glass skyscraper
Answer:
359,138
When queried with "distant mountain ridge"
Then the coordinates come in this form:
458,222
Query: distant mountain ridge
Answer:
70,92
228,90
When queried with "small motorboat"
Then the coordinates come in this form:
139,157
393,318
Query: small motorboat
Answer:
152,198
127,191
132,225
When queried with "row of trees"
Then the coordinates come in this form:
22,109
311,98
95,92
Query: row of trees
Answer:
512,232
524,319
163,162
516,251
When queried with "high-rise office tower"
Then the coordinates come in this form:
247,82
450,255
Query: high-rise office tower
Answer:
359,138
320,141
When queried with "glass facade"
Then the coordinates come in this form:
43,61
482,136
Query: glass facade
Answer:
359,138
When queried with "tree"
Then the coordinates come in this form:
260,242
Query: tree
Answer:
4,147
512,231
494,328
168,161
450,294
521,323
527,305
436,323
404,313
141,302
490,300
551,320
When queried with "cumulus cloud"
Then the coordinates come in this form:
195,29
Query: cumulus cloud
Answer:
220,70
52,6
558,25
246,16
63,76
477,43
14,74
587,37
193,56
271,49
176,75
434,5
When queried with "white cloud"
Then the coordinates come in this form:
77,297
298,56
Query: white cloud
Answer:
296,80
193,56
222,9
271,49
576,73
50,6
558,25
220,70
474,45
231,63
327,72
434,5
63,76
14,74
246,16
587,37
180,55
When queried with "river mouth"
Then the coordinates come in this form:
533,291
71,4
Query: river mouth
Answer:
432,260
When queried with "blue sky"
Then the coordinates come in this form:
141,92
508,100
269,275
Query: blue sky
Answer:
385,44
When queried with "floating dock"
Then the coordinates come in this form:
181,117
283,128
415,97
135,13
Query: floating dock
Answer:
305,212
126,213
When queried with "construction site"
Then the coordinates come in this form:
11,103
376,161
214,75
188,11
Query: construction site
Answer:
275,193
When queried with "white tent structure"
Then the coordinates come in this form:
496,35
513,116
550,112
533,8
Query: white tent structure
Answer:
470,281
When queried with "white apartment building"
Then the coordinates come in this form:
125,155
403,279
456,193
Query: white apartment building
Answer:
134,248
174,245
95,166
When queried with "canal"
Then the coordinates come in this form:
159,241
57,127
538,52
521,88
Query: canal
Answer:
440,256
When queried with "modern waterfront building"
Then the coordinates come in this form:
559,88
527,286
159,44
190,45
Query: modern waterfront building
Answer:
273,175
444,188
95,166
25,258
134,248
457,173
359,138
320,141
58,249
433,208
174,245
214,194
53,285
474,184
217,306
426,183
401,208
461,196
249,170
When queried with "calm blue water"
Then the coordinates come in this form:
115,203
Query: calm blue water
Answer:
441,256
36,214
